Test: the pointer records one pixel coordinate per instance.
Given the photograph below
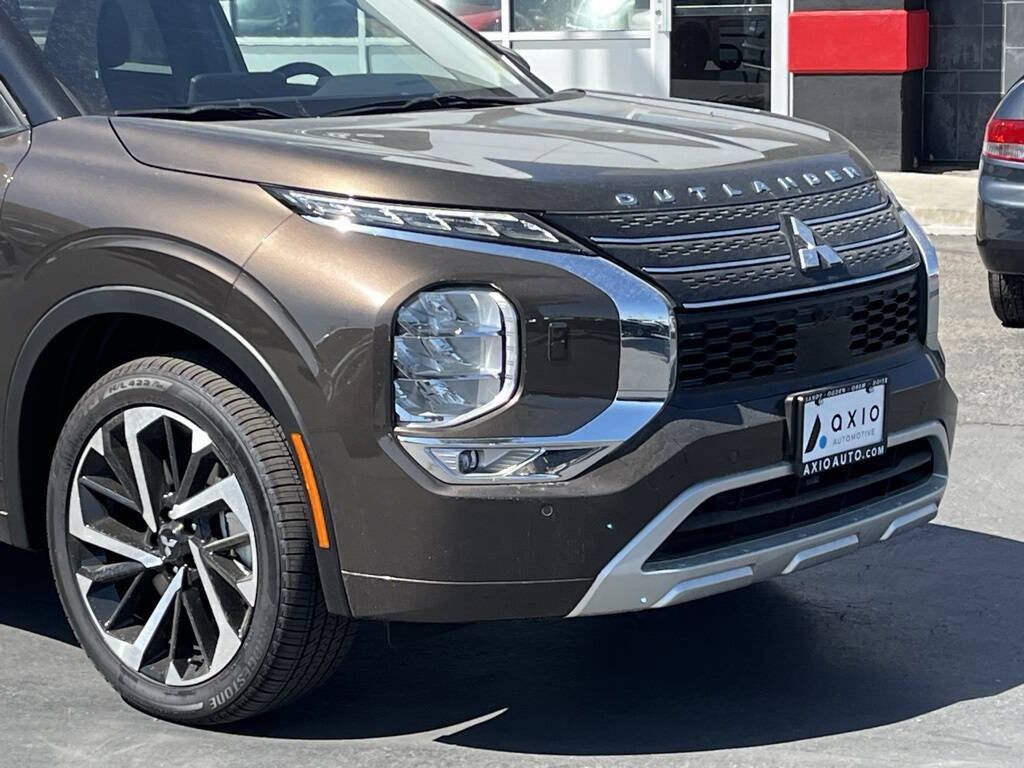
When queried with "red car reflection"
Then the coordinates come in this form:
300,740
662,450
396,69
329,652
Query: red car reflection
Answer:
482,18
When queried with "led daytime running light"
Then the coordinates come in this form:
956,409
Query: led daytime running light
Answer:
348,212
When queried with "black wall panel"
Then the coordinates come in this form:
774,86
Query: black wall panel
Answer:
881,114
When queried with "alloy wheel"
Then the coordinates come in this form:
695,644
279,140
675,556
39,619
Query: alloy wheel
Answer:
162,546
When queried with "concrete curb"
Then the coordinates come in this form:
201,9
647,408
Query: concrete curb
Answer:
944,203
944,230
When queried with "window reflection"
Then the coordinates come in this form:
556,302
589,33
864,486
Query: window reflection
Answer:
481,15
290,18
580,15
721,54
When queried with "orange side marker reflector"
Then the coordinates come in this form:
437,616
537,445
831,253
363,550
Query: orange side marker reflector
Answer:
319,522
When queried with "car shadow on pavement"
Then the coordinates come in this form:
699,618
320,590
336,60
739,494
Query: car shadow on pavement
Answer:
28,597
892,632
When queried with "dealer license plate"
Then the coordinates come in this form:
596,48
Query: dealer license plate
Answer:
840,426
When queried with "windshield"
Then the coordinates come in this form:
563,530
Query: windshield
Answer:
263,58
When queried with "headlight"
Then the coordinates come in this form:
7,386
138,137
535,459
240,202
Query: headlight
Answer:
456,356
348,212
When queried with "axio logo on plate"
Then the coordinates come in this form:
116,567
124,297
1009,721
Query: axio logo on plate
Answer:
842,426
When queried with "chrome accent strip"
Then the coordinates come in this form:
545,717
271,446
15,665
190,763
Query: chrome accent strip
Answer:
903,522
647,356
717,266
624,585
716,582
769,259
819,554
799,291
606,432
930,259
726,233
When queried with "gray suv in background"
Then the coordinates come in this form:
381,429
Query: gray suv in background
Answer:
377,326
1001,207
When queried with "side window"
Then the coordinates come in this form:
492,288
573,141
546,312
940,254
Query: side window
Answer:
349,37
9,122
138,24
146,50
36,16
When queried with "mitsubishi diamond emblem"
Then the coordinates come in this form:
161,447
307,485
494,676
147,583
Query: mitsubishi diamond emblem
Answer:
809,253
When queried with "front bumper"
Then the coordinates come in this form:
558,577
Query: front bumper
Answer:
1000,219
626,584
453,554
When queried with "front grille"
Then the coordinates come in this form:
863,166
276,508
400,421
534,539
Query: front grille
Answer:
745,308
730,285
790,502
801,336
742,254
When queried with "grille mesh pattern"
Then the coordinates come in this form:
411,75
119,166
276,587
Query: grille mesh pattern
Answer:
710,252
861,228
796,337
883,320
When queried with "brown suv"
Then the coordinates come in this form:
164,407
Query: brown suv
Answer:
366,322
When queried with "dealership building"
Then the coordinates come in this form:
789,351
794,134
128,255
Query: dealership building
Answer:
911,81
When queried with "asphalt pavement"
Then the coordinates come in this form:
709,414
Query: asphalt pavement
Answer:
907,653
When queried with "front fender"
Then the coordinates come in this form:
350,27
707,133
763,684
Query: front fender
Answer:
274,384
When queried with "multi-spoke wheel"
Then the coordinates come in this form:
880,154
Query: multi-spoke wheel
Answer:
176,518
162,545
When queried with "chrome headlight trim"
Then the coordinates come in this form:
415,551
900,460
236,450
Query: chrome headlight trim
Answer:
647,365
590,443
930,259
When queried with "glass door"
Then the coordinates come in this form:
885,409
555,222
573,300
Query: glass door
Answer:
721,50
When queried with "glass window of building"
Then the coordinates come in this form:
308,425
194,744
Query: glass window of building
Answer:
721,51
580,15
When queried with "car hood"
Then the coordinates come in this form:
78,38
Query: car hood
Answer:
585,153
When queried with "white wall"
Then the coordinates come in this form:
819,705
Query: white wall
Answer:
622,64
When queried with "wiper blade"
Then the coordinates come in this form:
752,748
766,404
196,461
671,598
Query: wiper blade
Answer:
437,101
208,112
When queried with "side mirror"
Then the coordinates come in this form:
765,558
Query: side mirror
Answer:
514,57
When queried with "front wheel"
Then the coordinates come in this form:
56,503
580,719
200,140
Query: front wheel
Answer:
179,538
1007,294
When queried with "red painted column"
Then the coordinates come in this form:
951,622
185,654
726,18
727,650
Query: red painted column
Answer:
858,42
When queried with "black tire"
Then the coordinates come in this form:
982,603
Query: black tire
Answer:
288,643
1007,294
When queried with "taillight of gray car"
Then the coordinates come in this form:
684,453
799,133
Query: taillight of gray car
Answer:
375,326
1001,208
